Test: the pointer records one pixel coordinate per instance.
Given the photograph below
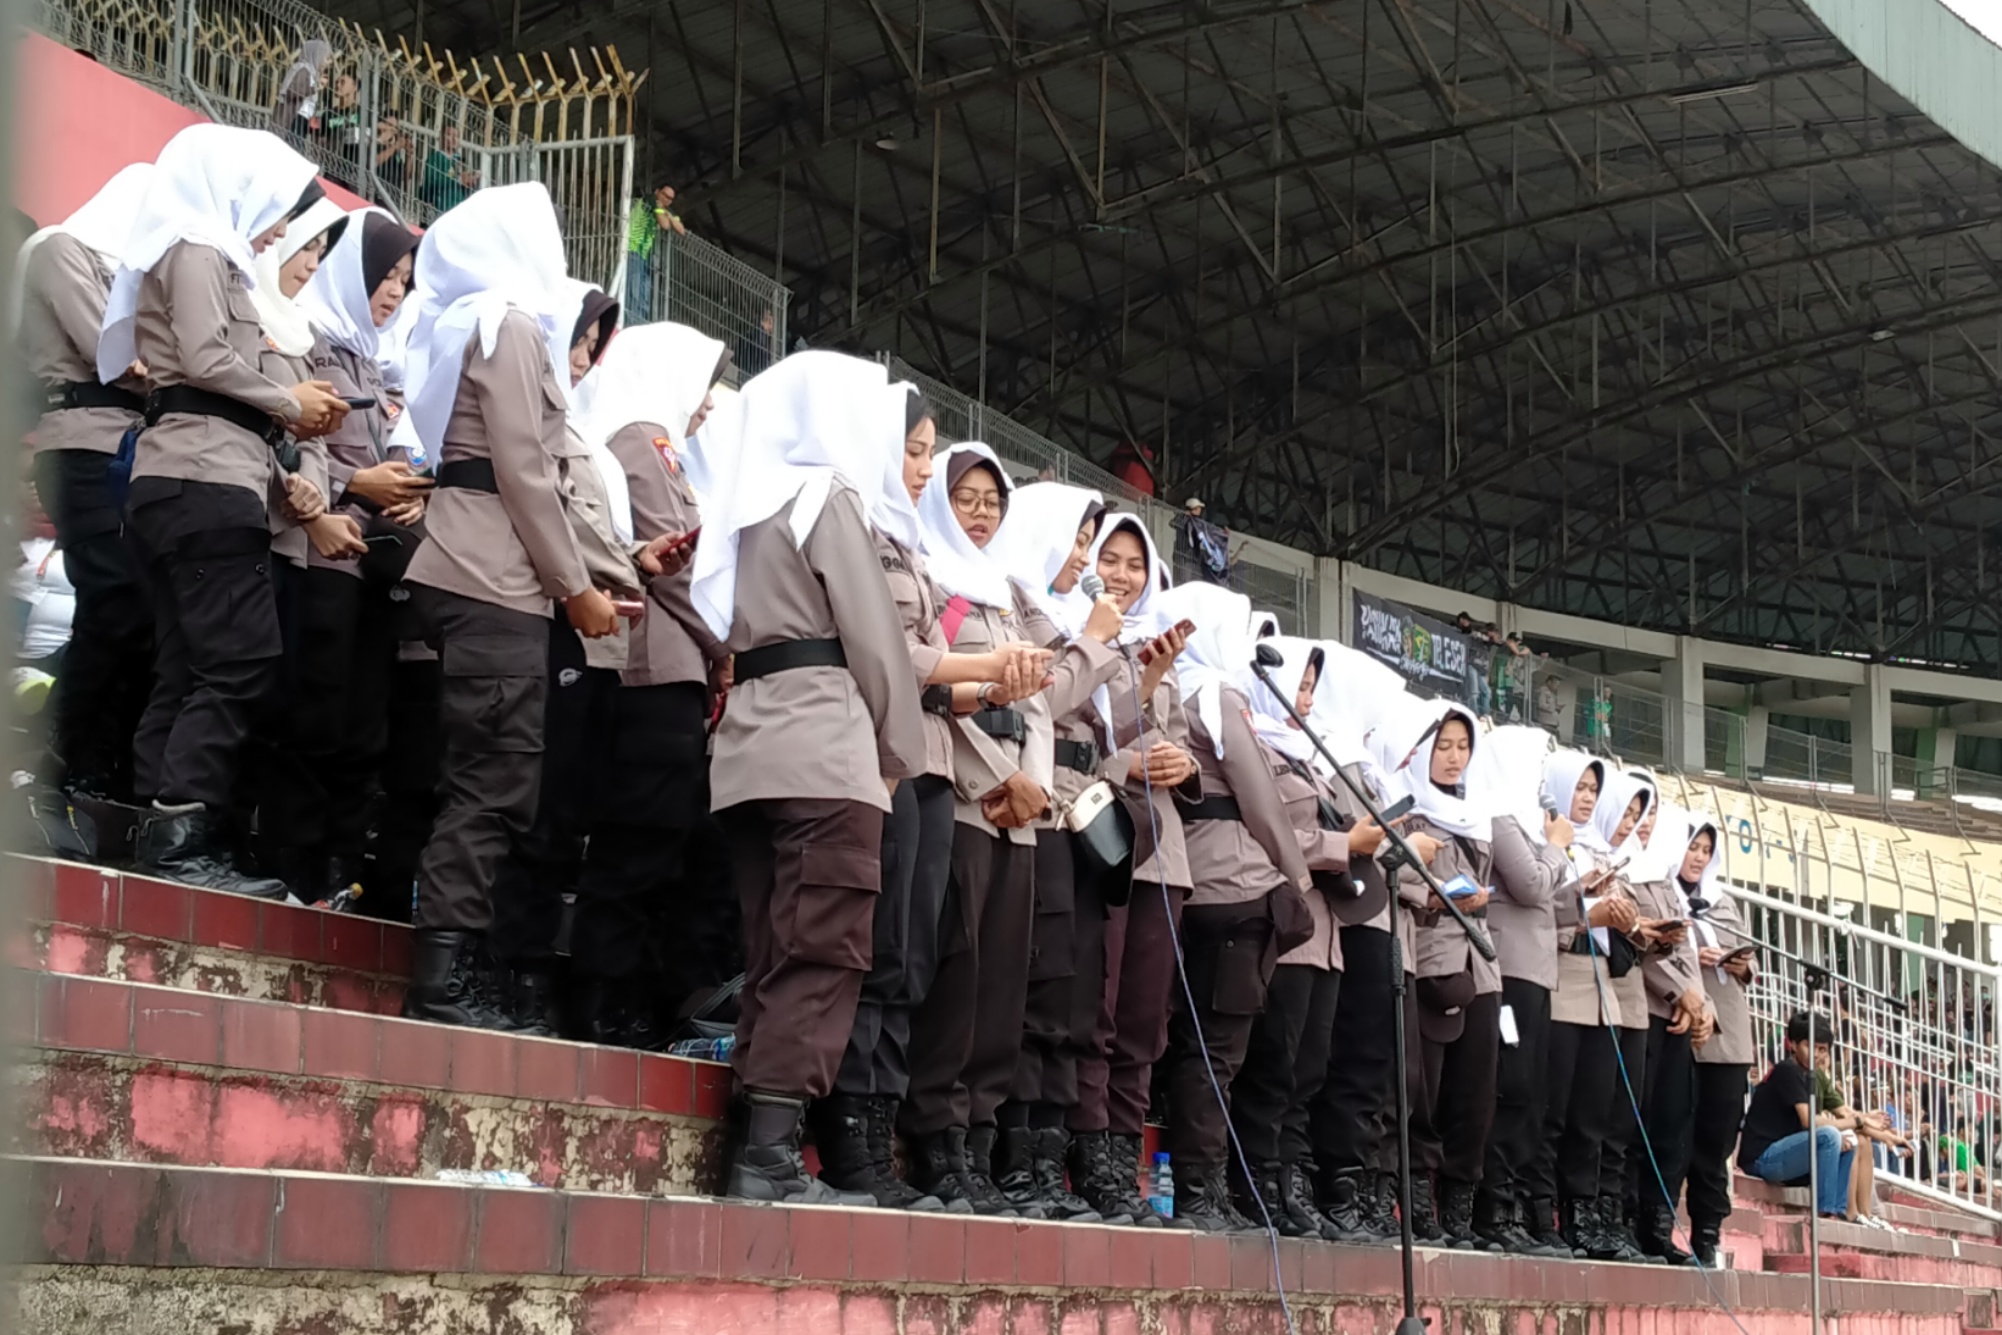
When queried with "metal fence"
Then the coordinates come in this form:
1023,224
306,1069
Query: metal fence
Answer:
691,281
1914,1027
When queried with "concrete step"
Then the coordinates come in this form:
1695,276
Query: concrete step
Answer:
85,920
129,1071
146,1248
1855,1251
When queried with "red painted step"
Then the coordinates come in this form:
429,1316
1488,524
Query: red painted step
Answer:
85,920
127,1071
569,1263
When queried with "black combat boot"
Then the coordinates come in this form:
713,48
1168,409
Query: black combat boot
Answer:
178,843
768,1166
444,969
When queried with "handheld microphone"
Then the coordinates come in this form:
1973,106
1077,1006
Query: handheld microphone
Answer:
1550,806
1091,586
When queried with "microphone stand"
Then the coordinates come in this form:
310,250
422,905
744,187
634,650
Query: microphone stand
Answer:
1402,855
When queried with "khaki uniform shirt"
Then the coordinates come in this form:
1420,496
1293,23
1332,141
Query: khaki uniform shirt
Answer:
1731,1045
1323,850
1443,948
62,310
1237,861
981,763
671,643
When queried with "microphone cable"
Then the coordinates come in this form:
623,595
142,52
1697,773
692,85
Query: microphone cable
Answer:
1189,996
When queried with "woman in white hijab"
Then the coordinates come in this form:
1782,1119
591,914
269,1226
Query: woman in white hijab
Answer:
1723,1065
1140,736
201,475
821,727
1043,544
1679,1022
489,405
650,391
1440,752
347,622
1247,904
966,1034
62,277
1287,1062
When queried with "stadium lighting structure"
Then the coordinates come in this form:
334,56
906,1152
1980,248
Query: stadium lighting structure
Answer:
1708,94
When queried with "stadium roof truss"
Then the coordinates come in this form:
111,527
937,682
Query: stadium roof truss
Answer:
1666,312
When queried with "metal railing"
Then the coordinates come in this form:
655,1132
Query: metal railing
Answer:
687,279
1915,1036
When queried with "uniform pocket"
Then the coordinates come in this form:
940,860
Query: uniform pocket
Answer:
228,608
830,909
1244,967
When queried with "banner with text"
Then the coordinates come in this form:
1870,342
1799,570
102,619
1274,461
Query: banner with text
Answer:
1433,655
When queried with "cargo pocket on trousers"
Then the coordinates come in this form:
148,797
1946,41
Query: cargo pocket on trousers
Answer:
491,699
831,891
1052,953
1243,968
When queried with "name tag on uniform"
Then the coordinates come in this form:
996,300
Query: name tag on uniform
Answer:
896,564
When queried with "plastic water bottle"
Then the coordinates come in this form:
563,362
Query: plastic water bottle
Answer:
1161,1186
705,1049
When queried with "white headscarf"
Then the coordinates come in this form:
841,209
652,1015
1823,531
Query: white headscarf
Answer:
1142,620
789,435
1660,855
957,565
611,474
1035,540
215,185
1269,718
287,321
1402,743
1614,798
1264,625
1712,887
1563,771
1354,693
657,373
1219,648
393,342
101,224
337,297
1511,776
499,249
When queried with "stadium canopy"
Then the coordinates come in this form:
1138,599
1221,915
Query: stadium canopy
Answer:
1668,312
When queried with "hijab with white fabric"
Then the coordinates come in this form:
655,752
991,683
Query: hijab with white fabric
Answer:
1036,538
957,565
1143,621
1563,771
790,433
498,250
1402,742
1511,776
287,321
1269,718
1355,691
214,185
100,225
1219,648
1618,793
658,373
579,301
1264,625
1711,888
338,296
1659,856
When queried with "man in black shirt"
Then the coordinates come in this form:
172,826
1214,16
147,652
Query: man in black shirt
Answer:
1784,1121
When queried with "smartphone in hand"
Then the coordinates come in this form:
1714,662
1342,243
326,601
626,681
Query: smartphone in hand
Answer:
632,609
358,405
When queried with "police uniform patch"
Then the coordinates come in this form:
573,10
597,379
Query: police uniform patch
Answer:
668,455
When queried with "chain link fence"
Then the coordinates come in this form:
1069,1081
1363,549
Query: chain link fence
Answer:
688,280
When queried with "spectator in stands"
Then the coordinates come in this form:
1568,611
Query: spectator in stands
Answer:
338,130
1548,713
1202,549
448,176
299,96
66,275
823,723
393,152
197,506
645,222
758,346
1784,1126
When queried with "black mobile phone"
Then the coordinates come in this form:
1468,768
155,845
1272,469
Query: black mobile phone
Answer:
358,404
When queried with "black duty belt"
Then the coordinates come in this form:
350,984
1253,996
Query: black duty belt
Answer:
1003,723
90,394
786,655
1213,808
1080,756
469,475
201,403
937,700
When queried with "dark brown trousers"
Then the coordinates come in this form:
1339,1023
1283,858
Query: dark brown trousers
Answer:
1115,1077
968,1030
808,871
1228,954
